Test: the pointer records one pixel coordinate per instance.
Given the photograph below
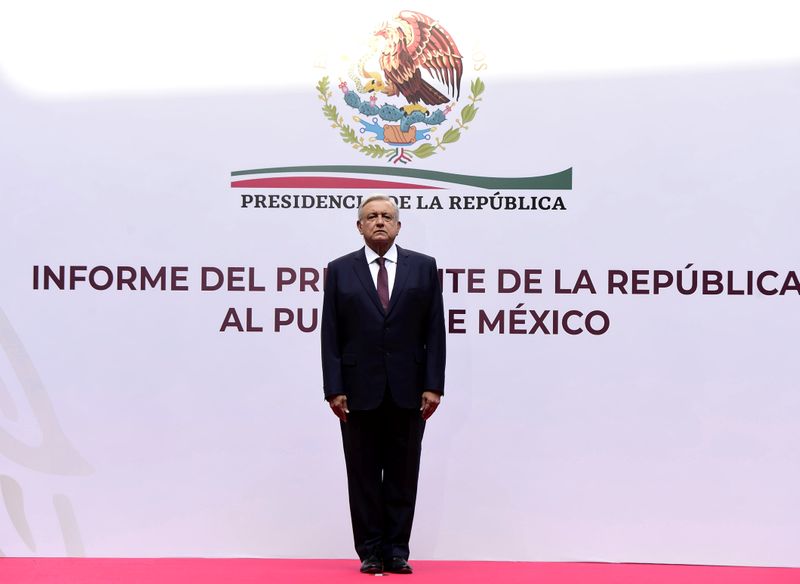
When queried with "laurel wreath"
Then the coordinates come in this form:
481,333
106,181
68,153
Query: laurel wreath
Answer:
349,135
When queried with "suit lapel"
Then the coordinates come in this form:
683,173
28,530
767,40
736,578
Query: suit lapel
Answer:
400,277
362,271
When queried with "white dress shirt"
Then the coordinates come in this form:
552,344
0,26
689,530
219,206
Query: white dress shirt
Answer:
391,265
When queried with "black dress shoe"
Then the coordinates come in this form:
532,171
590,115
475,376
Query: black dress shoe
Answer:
398,566
372,565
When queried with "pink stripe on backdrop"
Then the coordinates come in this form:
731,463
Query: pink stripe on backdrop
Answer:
324,182
247,571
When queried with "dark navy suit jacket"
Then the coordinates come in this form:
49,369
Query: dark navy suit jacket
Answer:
365,350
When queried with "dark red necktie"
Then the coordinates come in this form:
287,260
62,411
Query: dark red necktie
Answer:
383,284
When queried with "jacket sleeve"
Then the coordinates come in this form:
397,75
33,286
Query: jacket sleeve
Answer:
436,337
329,336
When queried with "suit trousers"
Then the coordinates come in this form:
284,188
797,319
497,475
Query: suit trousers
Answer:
382,450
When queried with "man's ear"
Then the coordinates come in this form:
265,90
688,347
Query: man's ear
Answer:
358,226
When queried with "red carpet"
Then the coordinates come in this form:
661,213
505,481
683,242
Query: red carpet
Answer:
246,571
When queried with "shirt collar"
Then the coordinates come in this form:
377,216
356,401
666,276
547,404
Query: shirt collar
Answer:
390,255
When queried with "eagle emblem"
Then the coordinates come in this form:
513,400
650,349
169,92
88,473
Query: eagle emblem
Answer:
413,42
404,91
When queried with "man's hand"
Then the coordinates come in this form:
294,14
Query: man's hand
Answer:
338,405
430,401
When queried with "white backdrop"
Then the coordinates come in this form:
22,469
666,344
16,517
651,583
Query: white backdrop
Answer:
131,426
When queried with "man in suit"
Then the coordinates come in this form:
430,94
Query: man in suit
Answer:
383,359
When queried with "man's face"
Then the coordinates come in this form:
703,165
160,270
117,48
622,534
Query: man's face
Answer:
378,225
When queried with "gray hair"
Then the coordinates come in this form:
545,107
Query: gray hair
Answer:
379,198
